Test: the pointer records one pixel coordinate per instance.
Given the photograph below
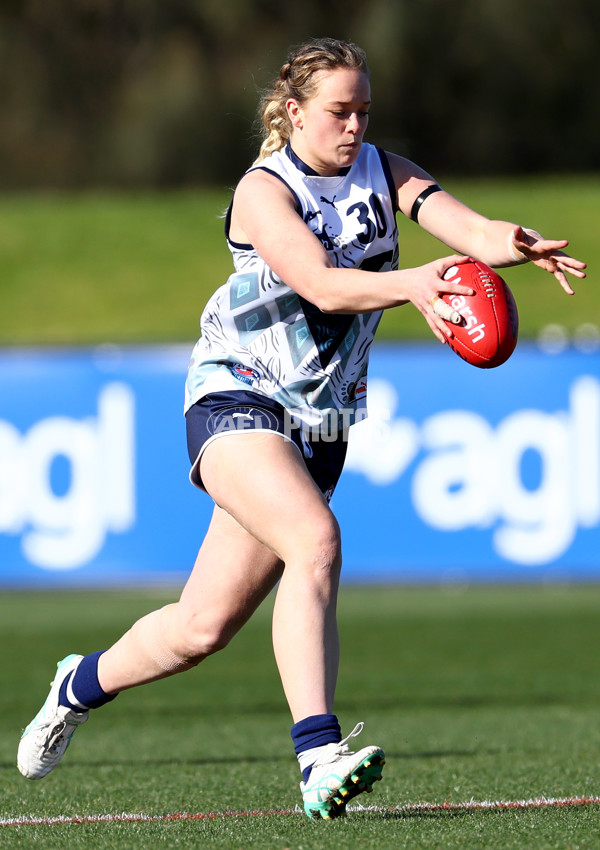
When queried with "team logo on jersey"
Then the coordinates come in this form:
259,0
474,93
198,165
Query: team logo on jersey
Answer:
245,374
359,390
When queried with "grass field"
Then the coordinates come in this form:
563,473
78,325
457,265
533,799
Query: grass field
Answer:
489,694
126,268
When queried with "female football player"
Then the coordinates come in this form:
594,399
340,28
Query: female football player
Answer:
275,381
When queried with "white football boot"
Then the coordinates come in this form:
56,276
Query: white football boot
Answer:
338,775
45,740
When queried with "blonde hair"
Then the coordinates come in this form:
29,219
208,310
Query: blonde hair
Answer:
296,80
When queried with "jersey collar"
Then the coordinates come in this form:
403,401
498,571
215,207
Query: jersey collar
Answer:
306,169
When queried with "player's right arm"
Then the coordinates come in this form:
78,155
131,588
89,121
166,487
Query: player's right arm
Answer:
264,215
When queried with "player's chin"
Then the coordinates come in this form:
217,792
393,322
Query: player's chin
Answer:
349,153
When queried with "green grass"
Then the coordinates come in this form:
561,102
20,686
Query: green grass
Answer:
91,268
486,694
135,268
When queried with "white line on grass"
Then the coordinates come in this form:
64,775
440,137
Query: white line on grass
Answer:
409,808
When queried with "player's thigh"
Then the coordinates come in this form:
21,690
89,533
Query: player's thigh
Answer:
261,480
233,574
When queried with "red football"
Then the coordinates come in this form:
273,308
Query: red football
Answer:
488,333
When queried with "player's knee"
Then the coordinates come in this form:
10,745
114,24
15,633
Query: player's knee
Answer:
324,548
201,637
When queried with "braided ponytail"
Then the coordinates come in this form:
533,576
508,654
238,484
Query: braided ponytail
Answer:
296,80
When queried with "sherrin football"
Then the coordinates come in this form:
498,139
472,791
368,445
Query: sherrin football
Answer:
487,334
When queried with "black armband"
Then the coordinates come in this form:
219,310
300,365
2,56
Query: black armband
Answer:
416,207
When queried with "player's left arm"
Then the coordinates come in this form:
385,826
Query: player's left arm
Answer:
496,243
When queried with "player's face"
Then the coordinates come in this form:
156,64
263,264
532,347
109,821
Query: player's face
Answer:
328,129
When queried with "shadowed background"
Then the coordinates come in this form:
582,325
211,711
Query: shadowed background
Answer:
160,94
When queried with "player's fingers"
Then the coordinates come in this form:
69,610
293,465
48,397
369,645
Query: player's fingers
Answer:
571,265
546,246
562,279
442,333
577,273
552,250
447,265
445,311
439,328
457,259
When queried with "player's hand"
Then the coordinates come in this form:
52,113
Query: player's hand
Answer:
427,284
548,255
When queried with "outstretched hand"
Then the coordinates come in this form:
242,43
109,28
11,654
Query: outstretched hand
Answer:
548,255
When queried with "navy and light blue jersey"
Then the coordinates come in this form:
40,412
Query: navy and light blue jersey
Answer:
259,334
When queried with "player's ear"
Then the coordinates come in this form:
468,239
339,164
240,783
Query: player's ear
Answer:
294,111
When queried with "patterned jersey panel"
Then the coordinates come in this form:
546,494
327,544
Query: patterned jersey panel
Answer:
259,333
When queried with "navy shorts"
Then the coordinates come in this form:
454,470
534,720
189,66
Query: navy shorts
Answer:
242,411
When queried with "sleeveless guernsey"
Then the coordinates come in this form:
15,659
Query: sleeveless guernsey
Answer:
258,334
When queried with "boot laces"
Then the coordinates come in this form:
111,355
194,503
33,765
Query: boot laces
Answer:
342,748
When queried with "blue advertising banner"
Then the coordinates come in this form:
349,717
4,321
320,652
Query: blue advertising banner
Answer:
468,474
458,474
